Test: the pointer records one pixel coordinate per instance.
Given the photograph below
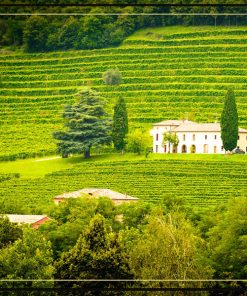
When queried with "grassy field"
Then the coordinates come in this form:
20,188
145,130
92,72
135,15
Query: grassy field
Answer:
201,180
167,72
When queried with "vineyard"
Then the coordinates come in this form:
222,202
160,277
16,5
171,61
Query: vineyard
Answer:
200,182
166,75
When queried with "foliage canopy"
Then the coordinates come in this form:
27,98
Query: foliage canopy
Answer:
229,122
112,77
87,125
120,125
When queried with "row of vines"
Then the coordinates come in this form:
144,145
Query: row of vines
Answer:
163,78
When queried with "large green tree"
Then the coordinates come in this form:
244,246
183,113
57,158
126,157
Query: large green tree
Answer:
35,33
229,122
87,125
228,241
29,257
120,125
96,255
138,141
169,249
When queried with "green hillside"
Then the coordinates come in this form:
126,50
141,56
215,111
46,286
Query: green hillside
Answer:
200,180
167,72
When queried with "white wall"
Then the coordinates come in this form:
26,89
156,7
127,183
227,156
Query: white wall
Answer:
199,141
242,142
157,144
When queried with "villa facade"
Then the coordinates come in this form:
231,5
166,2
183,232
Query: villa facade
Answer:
193,137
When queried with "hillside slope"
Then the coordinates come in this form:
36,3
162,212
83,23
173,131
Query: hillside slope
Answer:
199,180
167,72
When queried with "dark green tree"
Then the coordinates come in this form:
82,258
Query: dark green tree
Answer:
35,33
120,125
96,255
87,125
229,122
68,34
9,232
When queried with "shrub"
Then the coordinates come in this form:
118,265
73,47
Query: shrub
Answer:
112,77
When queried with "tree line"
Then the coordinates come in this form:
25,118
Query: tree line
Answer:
87,125
90,238
47,33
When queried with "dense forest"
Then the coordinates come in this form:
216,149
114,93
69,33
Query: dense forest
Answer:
93,238
101,23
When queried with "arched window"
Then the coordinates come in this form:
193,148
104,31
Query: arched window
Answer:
184,149
193,149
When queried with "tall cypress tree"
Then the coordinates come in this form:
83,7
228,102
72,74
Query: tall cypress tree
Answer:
229,122
87,125
120,125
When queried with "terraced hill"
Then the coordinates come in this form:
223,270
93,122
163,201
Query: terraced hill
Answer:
167,73
200,182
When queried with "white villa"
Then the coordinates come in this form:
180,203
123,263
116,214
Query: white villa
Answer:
193,137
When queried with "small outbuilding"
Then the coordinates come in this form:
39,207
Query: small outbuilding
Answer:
116,197
34,220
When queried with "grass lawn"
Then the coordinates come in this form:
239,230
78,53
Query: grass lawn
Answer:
38,168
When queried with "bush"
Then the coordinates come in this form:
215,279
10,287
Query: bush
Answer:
112,77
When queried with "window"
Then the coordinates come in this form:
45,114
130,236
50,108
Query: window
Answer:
222,148
215,137
205,148
156,148
184,149
184,137
157,137
246,138
194,137
206,136
193,149
238,137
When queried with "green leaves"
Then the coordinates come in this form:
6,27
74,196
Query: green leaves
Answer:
228,241
138,141
96,255
168,249
9,232
29,257
229,122
171,138
112,77
120,125
87,125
